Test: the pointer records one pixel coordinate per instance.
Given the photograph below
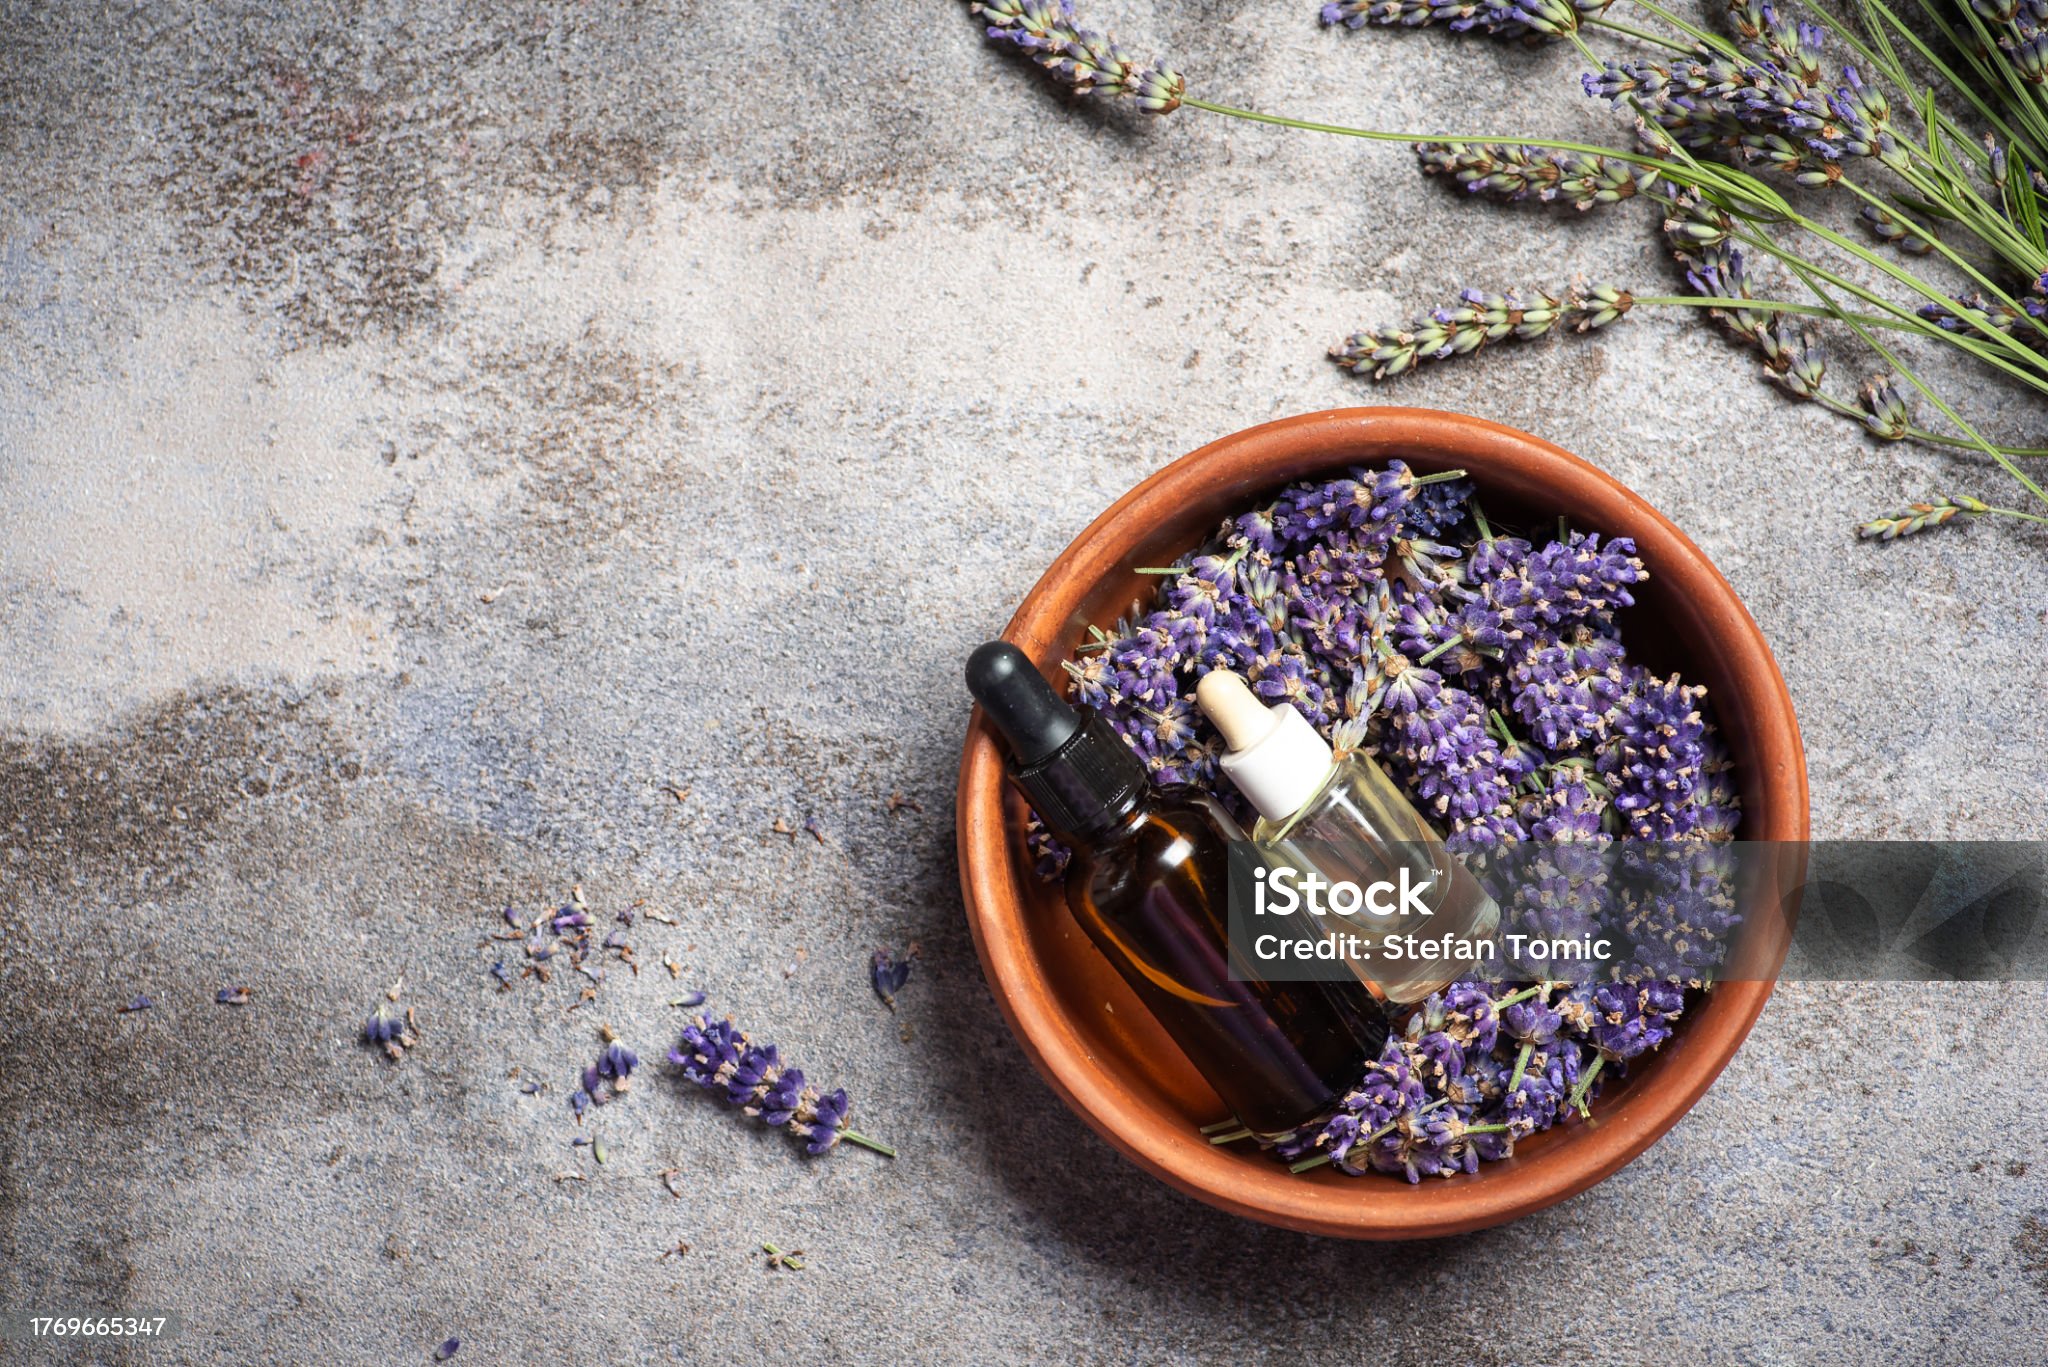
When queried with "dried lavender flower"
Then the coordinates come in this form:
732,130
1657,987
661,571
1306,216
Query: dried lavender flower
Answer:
1532,21
1886,411
1510,172
389,1031
725,1061
1475,321
888,974
232,996
1888,229
1794,357
1595,306
448,1349
1081,58
141,1002
1919,516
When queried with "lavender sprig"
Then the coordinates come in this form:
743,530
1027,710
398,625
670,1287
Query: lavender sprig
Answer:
1532,21
1510,172
725,1061
1918,517
1079,57
1475,321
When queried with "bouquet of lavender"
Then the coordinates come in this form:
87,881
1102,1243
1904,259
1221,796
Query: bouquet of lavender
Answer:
1740,139
1487,673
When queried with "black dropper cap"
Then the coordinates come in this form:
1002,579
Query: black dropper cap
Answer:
1078,773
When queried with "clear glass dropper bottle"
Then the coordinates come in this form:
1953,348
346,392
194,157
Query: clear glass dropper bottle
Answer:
1344,820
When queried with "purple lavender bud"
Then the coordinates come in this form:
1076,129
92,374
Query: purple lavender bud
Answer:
1887,228
141,1002
1580,578
1652,761
1794,358
1629,1020
1886,411
756,1069
783,1097
1511,172
1532,1022
888,974
827,1124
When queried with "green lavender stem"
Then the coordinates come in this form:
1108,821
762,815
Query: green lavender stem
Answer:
875,1145
1640,35
1577,1100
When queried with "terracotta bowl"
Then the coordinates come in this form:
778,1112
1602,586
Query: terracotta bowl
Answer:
1083,1028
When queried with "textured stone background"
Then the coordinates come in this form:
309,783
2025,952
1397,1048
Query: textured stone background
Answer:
423,437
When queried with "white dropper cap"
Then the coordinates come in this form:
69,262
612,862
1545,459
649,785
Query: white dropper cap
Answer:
1276,758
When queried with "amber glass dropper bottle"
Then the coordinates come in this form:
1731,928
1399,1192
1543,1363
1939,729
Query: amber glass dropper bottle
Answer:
1149,882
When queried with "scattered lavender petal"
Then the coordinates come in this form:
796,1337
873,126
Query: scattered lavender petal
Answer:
889,974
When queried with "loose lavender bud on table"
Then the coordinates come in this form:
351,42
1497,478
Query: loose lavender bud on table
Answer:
389,1030
888,974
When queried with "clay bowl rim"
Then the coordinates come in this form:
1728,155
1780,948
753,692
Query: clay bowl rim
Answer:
1769,750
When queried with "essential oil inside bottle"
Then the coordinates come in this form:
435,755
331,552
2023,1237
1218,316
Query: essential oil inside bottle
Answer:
1344,820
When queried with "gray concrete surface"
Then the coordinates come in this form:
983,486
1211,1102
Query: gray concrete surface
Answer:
428,430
